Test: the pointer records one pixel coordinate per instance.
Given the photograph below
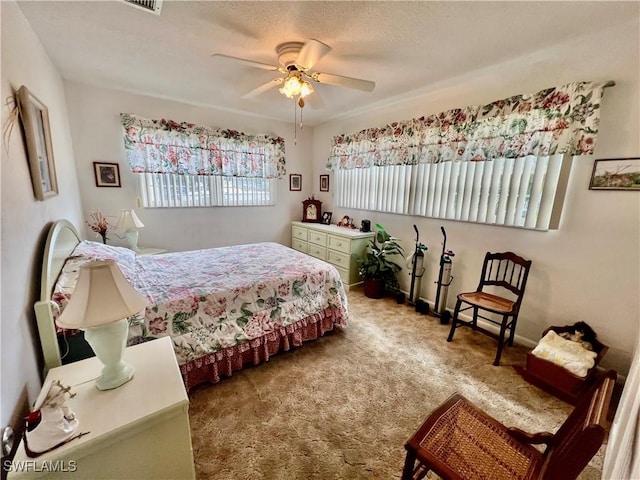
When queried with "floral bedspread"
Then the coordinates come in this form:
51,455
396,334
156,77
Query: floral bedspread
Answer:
208,300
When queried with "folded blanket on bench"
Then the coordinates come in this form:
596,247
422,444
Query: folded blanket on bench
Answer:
565,353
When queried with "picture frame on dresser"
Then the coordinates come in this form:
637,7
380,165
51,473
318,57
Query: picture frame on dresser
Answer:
326,218
35,123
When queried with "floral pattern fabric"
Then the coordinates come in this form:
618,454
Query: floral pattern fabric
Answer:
214,299
166,146
559,120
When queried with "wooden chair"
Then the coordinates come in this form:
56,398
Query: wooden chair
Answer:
505,273
459,441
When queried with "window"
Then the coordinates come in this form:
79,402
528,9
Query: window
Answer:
504,163
521,192
162,190
180,164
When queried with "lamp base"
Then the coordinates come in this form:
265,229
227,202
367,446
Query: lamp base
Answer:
131,234
108,342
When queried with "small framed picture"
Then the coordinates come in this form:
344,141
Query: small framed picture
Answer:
106,174
616,174
326,218
324,183
295,182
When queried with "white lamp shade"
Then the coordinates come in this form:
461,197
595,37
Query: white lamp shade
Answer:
129,219
102,295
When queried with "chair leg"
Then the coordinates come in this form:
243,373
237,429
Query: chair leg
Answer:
454,320
512,334
503,328
474,325
409,462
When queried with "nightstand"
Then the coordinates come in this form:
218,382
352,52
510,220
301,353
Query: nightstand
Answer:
150,251
139,430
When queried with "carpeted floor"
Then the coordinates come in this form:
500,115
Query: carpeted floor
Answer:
342,407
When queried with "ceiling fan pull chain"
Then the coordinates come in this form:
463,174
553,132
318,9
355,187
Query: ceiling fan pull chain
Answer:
295,124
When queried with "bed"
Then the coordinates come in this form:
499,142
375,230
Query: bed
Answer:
222,307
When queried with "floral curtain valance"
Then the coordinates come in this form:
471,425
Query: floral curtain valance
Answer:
558,120
165,146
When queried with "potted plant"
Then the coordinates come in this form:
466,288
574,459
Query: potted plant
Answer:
375,268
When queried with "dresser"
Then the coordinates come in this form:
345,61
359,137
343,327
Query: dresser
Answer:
139,430
336,245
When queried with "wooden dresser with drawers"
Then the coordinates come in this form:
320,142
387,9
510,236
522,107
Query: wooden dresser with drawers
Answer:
333,244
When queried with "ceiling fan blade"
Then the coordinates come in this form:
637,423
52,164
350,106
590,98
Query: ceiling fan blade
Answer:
310,53
251,63
340,81
263,88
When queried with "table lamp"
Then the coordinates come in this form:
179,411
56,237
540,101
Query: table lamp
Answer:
130,223
100,305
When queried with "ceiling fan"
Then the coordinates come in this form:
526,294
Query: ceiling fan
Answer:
296,60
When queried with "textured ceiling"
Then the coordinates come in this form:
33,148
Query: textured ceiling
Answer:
402,46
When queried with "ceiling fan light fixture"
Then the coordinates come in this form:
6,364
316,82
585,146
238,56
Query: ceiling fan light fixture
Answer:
293,87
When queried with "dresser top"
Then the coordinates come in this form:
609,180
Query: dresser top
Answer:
334,229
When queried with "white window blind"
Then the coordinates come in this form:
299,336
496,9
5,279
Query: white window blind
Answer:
523,192
162,190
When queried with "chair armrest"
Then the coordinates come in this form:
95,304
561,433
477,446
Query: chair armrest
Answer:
533,439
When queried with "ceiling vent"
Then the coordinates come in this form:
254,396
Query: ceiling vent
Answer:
152,6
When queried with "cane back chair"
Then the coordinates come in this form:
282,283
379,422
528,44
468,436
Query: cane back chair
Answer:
458,441
504,273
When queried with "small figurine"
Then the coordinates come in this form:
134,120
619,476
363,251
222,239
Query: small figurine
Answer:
51,423
344,222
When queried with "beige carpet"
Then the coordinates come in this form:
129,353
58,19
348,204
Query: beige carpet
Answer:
342,407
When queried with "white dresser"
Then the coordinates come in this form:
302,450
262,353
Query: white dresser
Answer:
334,244
139,430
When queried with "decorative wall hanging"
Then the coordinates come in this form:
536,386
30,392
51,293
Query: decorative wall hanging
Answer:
295,182
106,174
35,121
324,183
616,174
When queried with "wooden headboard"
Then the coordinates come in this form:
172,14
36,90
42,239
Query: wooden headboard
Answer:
61,240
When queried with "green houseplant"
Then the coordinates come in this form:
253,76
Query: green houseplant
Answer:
375,268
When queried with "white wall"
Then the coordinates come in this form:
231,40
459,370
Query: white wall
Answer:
97,136
24,219
587,270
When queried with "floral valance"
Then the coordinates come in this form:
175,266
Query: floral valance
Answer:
558,120
165,146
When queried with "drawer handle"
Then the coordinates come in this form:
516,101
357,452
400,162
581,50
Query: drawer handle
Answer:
339,244
338,259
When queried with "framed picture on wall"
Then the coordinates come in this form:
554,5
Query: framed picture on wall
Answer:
324,183
616,174
295,182
106,174
35,121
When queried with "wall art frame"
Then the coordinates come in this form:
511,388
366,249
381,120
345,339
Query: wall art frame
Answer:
324,183
616,174
295,182
37,133
107,174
